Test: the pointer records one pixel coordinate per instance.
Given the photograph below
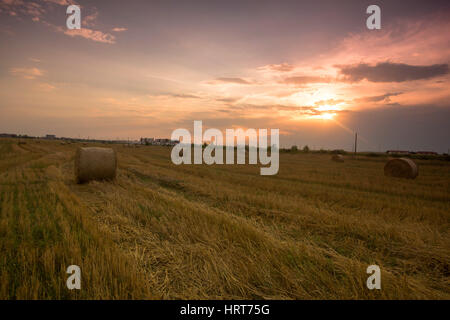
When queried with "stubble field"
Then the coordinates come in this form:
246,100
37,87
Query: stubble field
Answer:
161,231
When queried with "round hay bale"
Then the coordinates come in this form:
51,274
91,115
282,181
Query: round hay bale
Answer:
95,163
401,168
338,158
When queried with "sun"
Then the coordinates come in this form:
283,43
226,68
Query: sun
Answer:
327,116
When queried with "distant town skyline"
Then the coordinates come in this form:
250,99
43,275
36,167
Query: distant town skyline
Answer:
309,68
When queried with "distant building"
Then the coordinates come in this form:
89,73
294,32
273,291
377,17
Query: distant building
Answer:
427,152
147,140
8,135
50,136
158,142
397,152
411,152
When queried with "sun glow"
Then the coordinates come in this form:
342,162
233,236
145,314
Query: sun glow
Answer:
327,108
327,116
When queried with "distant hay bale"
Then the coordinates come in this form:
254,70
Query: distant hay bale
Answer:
337,158
401,168
95,163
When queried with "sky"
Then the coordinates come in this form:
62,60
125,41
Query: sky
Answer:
311,69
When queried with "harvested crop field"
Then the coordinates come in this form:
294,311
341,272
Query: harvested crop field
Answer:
221,231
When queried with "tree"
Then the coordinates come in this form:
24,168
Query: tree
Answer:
306,149
294,149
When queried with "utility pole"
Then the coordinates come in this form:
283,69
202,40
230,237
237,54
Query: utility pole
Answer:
356,141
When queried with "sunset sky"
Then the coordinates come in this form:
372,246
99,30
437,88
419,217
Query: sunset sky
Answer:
309,68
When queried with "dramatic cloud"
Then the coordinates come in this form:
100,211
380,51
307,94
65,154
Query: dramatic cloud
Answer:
89,20
304,110
27,73
46,87
93,35
38,12
329,102
283,67
119,29
171,71
177,95
61,2
229,80
383,97
268,110
185,96
391,72
302,80
228,99
22,8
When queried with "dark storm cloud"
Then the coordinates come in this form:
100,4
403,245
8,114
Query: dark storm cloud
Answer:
391,72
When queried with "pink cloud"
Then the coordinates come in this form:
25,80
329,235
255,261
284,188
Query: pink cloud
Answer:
422,42
21,8
17,8
228,80
283,67
27,73
93,35
46,87
302,80
60,2
89,20
119,29
12,2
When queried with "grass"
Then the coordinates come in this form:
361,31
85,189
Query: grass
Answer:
161,231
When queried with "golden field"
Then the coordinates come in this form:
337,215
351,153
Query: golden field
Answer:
161,231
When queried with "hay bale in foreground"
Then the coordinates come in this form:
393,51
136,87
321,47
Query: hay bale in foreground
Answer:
95,163
401,168
338,158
